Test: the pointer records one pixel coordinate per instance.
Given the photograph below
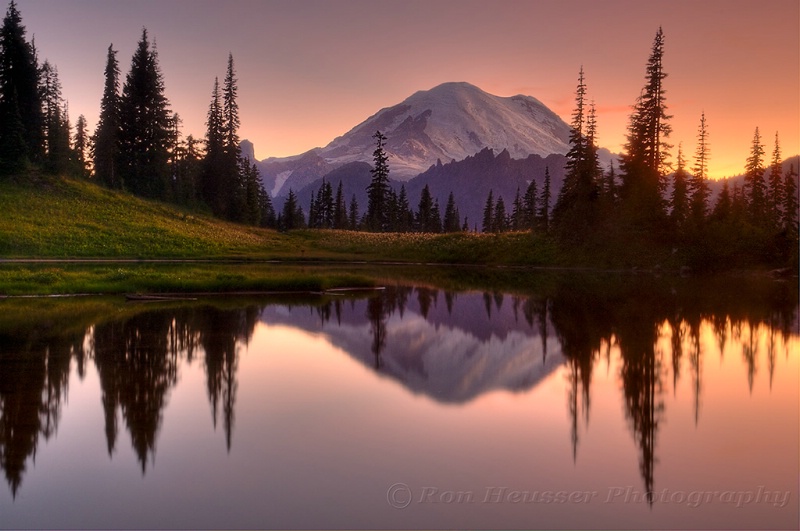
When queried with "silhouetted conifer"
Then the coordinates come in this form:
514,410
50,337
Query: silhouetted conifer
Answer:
21,119
105,142
698,182
145,126
644,162
379,186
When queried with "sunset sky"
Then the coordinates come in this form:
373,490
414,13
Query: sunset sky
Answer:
311,70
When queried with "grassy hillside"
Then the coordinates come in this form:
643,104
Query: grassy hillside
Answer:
65,218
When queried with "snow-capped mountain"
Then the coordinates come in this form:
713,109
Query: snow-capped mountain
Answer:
449,122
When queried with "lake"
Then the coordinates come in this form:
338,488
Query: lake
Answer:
588,401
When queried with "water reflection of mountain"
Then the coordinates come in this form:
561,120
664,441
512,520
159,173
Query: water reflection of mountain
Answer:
444,345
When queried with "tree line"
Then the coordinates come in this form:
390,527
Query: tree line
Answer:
137,145
595,207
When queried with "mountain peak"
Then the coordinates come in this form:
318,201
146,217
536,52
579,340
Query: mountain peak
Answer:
450,121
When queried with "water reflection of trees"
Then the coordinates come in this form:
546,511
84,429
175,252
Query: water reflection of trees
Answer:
34,374
634,315
137,361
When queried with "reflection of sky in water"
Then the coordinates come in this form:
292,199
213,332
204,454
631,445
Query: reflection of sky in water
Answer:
465,407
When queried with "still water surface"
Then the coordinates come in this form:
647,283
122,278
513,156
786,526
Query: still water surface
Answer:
412,407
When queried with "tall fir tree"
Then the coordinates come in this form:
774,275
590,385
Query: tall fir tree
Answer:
215,193
452,218
352,213
379,186
105,141
56,122
21,118
679,202
436,218
790,204
425,211
529,206
544,202
722,208
517,213
775,188
699,191
405,219
145,126
500,219
754,186
230,111
644,162
292,216
488,213
340,209
575,211
81,146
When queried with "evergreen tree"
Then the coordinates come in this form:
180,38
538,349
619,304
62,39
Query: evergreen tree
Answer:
326,205
738,204
313,213
253,196
698,183
436,218
340,209
21,119
722,208
267,209
775,199
544,202
56,123
790,204
145,130
452,219
754,186
187,170
105,142
593,160
230,111
488,213
379,186
391,210
81,146
352,216
517,213
610,188
529,208
215,193
232,176
680,199
292,214
500,221
644,163
405,220
575,211
425,221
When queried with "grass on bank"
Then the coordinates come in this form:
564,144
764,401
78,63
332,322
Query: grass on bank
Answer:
66,218
49,279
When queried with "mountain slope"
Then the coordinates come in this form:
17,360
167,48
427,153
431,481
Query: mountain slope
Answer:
449,122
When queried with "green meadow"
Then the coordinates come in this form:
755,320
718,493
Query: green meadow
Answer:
67,236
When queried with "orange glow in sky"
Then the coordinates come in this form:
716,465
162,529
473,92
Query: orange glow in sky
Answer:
309,71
